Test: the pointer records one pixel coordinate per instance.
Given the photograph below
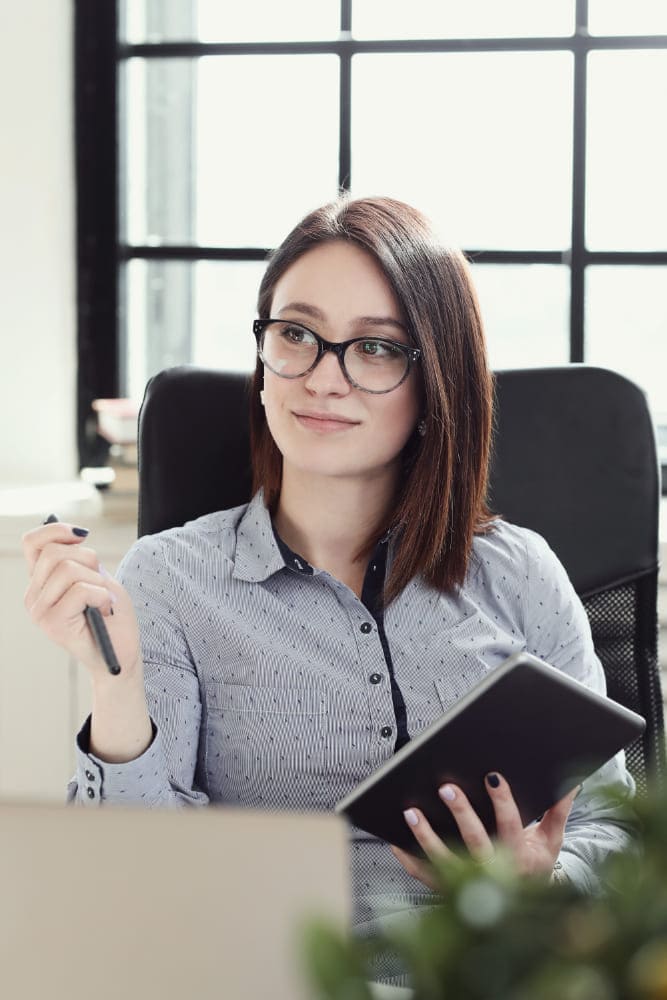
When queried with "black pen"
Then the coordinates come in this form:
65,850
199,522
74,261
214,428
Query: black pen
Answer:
97,627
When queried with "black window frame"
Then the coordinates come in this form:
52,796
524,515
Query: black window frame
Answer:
101,254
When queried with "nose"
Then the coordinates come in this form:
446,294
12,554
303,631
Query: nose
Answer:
327,377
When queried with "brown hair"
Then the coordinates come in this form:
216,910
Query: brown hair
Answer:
441,502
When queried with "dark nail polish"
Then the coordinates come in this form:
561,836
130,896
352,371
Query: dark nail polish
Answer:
493,780
80,532
51,519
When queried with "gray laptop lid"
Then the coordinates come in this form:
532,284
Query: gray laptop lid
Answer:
124,902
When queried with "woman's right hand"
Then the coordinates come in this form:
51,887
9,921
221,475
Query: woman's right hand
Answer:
65,577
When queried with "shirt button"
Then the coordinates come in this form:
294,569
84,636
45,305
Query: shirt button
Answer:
385,731
90,776
366,627
375,678
91,793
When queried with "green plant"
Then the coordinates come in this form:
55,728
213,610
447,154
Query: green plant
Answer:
497,936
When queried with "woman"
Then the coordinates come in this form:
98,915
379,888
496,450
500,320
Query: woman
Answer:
275,654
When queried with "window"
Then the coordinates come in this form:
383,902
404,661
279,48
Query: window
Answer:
528,132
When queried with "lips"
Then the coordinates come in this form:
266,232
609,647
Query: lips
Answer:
312,415
323,422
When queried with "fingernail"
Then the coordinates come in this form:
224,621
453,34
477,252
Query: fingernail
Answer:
493,780
447,793
411,817
80,532
112,596
103,571
51,519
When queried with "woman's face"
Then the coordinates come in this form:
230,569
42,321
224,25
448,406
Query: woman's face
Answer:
321,424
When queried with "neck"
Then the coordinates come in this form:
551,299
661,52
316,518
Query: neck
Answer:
328,520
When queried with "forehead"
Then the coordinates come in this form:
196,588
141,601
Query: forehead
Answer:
341,280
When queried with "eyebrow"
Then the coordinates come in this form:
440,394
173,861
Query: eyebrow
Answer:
308,310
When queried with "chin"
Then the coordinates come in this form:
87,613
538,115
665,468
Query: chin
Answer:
325,464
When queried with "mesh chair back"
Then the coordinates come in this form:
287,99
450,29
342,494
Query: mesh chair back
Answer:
625,635
574,459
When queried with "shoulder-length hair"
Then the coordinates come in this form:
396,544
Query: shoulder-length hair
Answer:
440,504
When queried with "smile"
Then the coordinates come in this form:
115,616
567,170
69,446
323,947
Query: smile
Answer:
324,423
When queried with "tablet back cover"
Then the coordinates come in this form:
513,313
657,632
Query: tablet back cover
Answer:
542,730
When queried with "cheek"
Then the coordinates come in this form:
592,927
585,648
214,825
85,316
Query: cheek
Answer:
275,408
400,415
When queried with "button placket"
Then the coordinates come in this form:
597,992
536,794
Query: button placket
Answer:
371,655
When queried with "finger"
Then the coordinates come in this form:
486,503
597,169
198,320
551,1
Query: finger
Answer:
509,825
472,830
65,575
51,556
425,835
49,563
554,820
36,539
67,614
417,868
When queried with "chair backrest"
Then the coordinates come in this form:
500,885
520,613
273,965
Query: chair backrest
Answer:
574,458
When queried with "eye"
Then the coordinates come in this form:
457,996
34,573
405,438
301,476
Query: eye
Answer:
380,349
292,333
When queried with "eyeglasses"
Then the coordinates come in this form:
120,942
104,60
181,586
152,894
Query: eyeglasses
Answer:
372,364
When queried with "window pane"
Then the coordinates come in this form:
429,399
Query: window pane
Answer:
627,151
270,154
216,21
618,17
626,317
181,313
208,159
525,309
481,142
157,156
453,19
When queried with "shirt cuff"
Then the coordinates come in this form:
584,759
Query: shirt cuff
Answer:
571,868
140,780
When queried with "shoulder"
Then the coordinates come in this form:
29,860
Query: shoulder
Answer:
518,565
513,547
211,533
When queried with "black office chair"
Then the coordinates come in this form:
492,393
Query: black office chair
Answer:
574,458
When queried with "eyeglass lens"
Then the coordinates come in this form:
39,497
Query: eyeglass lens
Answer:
290,350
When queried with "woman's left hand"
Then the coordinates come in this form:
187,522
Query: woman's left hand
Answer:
534,848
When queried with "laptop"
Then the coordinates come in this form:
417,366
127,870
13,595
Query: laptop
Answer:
138,903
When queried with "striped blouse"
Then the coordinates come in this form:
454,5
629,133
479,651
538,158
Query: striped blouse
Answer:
272,685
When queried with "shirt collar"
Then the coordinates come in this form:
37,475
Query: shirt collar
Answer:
260,552
292,559
257,553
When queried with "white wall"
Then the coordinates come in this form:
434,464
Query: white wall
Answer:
40,705
37,251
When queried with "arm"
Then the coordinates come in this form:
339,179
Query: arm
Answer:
557,630
140,743
163,772
577,834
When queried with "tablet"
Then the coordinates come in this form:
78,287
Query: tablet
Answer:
541,729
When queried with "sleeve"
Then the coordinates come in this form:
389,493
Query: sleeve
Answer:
164,775
557,630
